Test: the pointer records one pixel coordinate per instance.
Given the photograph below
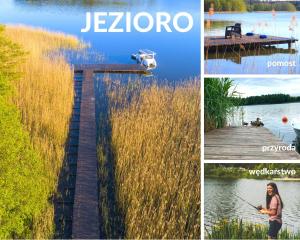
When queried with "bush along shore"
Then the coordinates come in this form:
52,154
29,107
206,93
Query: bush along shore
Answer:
156,145
239,229
36,97
219,102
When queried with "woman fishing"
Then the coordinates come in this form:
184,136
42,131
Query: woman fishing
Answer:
273,208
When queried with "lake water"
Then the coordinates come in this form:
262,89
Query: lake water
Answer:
219,201
271,115
281,24
178,54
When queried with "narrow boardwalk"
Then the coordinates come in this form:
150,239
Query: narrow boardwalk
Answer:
111,68
86,203
243,143
213,43
86,216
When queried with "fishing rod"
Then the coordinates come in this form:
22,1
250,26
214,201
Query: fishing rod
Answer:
257,208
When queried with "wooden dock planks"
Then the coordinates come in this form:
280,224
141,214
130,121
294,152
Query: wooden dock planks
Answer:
112,68
219,42
243,143
86,214
86,201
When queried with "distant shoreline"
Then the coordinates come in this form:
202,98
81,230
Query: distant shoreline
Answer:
228,12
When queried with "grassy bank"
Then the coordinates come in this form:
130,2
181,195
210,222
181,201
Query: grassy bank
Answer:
35,112
218,102
238,229
156,143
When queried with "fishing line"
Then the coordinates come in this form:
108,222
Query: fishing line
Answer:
246,201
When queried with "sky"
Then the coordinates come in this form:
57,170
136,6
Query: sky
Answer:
262,86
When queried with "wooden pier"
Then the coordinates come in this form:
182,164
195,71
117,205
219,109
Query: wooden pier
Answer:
86,216
111,68
86,201
244,143
215,43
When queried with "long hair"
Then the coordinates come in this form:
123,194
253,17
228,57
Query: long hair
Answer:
275,191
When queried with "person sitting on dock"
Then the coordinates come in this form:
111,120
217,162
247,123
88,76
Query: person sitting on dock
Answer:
257,123
235,31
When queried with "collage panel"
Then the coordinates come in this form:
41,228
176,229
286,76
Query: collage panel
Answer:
251,37
251,200
251,118
99,119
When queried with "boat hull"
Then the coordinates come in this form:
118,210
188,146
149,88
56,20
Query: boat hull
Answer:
297,131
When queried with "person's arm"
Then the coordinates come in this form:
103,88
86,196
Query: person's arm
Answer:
271,212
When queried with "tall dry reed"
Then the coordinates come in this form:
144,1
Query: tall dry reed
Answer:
156,142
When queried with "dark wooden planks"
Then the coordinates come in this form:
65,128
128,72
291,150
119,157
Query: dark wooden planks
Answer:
111,68
243,143
214,42
86,202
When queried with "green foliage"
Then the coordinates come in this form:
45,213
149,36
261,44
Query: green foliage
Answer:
10,56
241,6
22,195
226,5
267,99
238,229
237,171
269,7
218,102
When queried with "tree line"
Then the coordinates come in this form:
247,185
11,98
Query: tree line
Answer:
243,6
266,99
235,171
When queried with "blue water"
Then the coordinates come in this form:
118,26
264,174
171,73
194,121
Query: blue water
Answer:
178,54
282,24
220,201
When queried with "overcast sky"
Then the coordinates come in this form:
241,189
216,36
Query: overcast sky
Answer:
262,86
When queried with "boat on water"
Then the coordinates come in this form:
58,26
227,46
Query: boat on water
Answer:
146,58
296,126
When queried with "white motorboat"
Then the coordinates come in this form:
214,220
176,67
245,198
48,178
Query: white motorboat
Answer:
296,126
146,58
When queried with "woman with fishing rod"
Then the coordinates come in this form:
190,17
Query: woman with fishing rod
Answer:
273,208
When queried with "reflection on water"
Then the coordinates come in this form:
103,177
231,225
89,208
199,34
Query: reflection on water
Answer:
69,17
271,115
211,24
282,24
238,55
220,202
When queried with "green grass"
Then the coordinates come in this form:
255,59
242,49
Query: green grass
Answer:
238,229
218,102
